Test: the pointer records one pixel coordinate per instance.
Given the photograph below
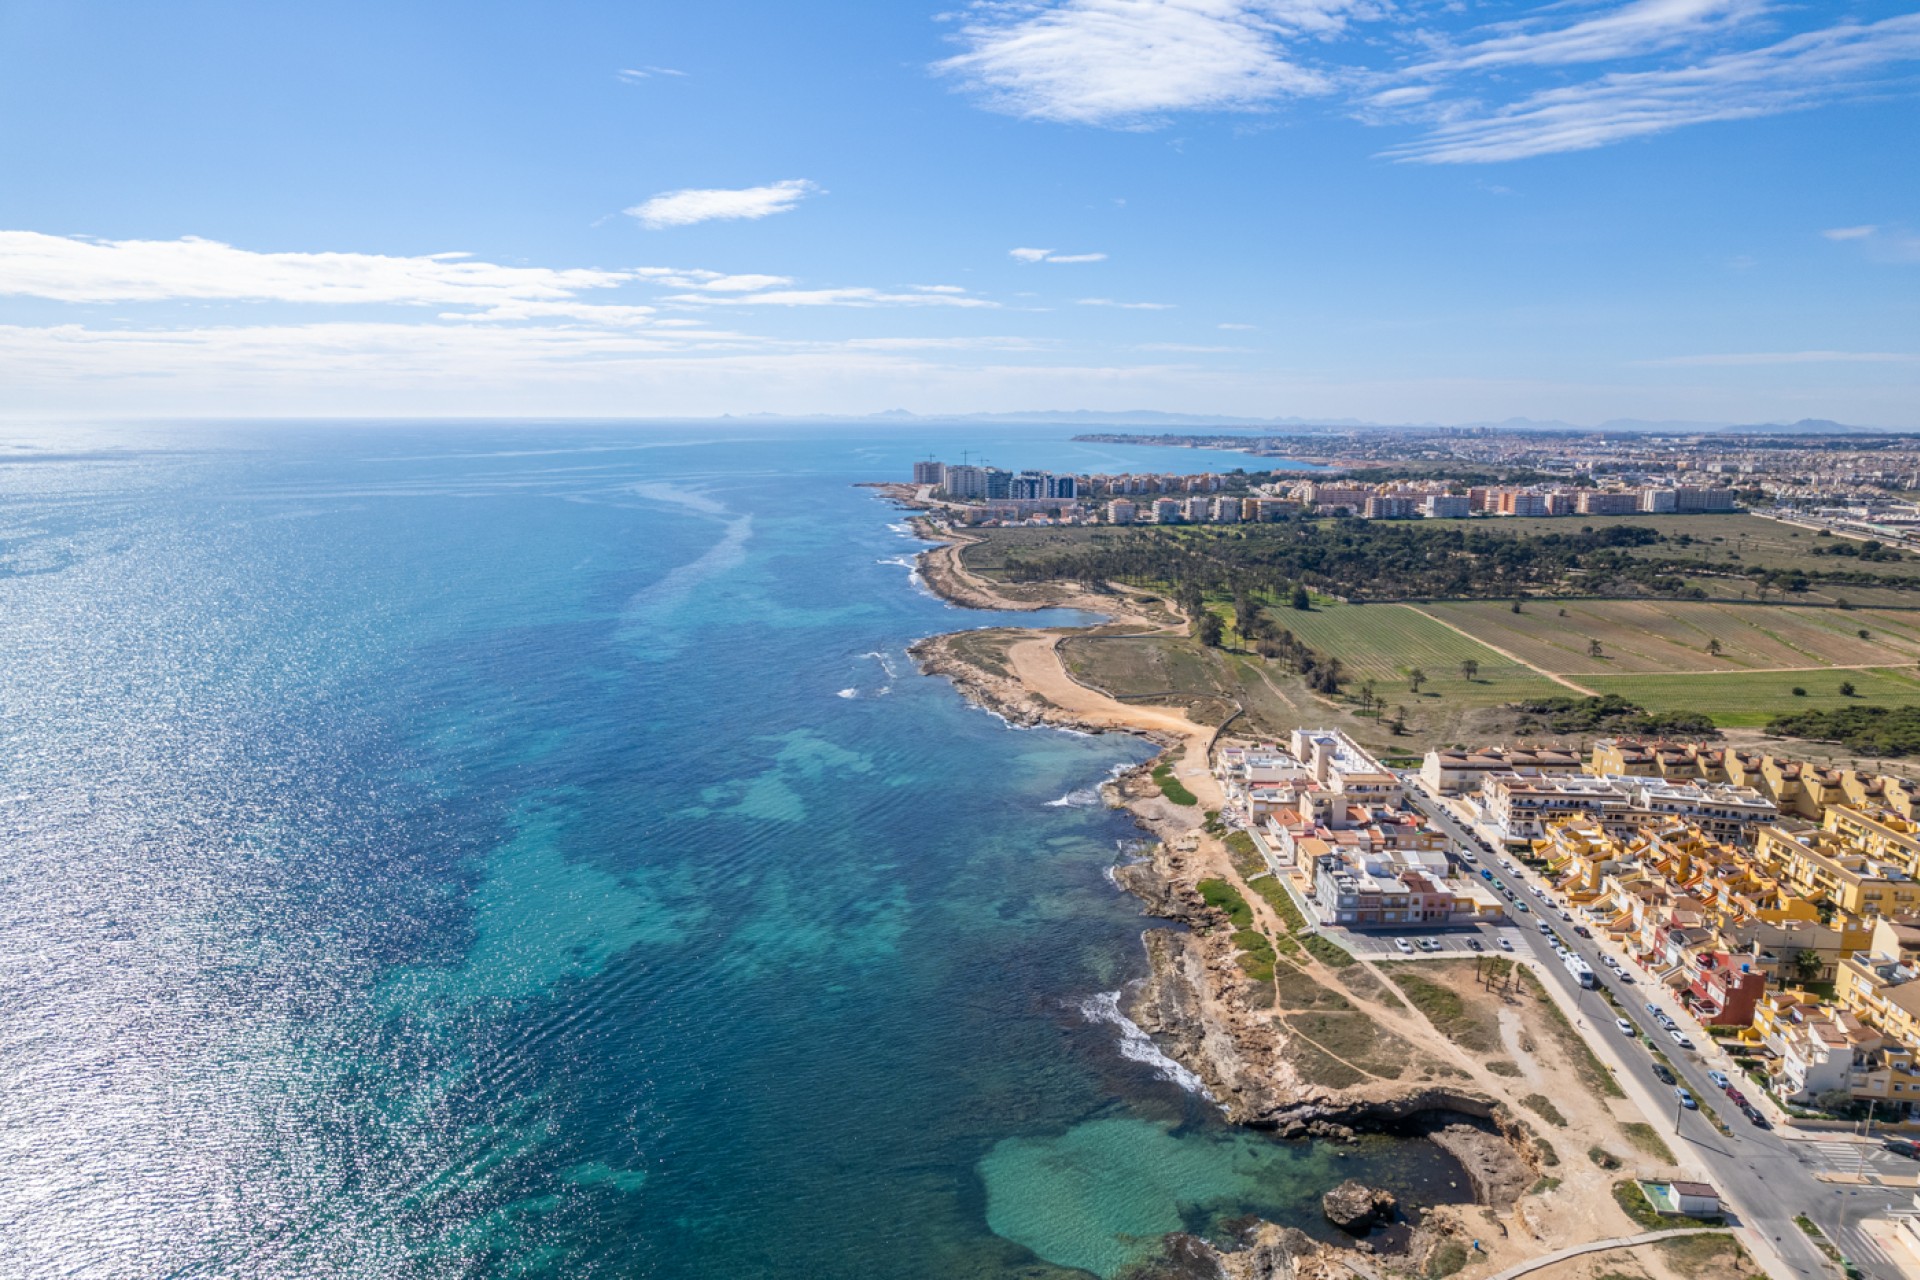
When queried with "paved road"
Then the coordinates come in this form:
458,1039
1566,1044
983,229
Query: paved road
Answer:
1766,1178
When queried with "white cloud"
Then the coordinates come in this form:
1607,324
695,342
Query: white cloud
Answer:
939,288
744,283
1849,233
1801,71
685,208
1631,29
843,297
70,269
1236,326
1124,62
1126,306
1048,255
634,75
946,344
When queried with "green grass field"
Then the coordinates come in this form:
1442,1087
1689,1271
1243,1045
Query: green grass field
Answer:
1750,699
1383,642
1664,635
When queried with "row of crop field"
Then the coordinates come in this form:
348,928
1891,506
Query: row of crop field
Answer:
1658,635
1752,698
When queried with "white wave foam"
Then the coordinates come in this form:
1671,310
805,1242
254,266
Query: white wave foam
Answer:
905,562
849,693
905,530
1136,1045
1083,798
886,662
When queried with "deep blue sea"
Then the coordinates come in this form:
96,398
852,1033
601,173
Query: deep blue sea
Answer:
511,851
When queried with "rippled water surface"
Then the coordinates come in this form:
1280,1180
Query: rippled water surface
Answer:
529,852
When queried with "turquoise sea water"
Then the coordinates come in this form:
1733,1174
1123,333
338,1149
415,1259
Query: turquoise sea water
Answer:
528,851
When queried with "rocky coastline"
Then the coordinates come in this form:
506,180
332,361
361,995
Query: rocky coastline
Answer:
1195,1003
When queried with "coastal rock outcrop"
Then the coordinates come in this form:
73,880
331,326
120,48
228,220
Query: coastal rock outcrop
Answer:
1357,1208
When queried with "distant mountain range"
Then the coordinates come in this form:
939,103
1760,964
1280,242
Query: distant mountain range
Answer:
1158,419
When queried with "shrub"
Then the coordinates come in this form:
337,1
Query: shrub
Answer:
1172,788
1223,897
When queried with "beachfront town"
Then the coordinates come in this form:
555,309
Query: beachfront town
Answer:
1842,497
1773,902
984,495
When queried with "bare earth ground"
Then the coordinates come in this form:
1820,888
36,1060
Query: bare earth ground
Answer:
1319,1049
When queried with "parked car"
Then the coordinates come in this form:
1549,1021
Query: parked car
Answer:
1473,944
1734,1096
1429,944
1506,944
1901,1147
1523,907
1680,1038
1753,1114
1654,1009
1720,1080
1686,1099
1582,931
1661,1073
1403,946
1626,1028
1544,926
1486,873
1624,976
1566,915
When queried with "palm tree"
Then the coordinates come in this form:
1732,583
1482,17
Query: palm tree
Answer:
1593,649
1713,646
1416,678
1469,669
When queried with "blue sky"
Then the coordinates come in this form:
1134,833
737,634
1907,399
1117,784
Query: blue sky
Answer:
1391,210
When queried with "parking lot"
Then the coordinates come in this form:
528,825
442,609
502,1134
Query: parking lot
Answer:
1445,942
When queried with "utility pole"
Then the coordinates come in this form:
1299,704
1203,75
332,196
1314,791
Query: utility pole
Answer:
1868,1131
1679,1109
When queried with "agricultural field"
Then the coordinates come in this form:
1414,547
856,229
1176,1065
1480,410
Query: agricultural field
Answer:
1663,635
1383,642
1749,699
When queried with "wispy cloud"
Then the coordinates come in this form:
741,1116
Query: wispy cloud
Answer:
1881,244
1048,255
634,75
695,205
1638,68
73,269
1126,306
1643,26
1231,326
1801,71
843,297
1126,62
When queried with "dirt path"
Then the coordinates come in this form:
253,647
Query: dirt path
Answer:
1509,655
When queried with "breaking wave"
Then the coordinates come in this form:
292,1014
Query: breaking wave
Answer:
1136,1045
1084,798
